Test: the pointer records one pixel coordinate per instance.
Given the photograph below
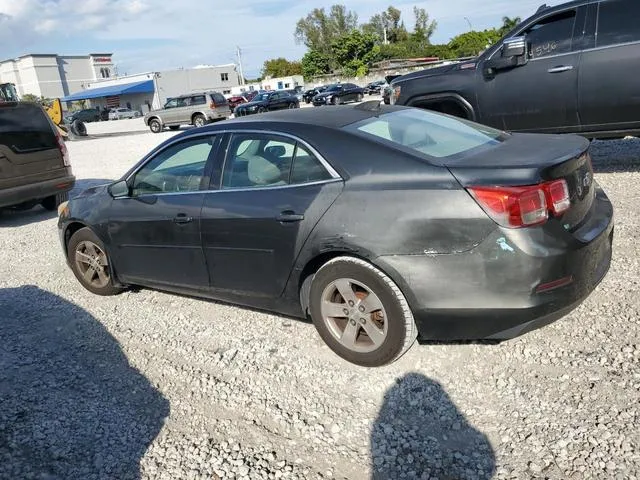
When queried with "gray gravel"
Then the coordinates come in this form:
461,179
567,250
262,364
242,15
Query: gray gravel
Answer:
153,385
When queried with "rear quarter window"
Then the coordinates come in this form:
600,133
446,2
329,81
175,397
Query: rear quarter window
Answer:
219,99
25,127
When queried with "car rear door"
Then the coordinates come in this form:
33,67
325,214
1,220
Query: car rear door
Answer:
273,190
29,150
608,87
540,95
155,230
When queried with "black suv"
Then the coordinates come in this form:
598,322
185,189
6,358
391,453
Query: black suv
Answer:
34,163
572,68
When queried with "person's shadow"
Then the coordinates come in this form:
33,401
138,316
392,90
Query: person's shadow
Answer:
419,433
71,406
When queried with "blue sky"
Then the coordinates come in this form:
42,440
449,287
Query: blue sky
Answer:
147,35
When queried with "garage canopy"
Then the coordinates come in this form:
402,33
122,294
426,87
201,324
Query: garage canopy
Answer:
145,86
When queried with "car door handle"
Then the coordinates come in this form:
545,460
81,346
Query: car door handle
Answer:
289,216
560,69
182,218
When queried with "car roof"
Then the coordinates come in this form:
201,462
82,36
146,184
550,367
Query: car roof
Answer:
330,116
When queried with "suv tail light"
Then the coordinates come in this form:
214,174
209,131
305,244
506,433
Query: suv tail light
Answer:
517,207
212,105
63,150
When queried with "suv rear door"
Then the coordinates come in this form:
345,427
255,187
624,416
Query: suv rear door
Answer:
540,95
609,93
29,150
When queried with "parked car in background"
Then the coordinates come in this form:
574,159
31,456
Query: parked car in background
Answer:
386,89
438,227
570,68
236,100
196,109
85,115
122,113
295,93
374,88
309,94
252,94
264,102
338,94
34,161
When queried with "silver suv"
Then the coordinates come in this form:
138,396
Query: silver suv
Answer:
194,109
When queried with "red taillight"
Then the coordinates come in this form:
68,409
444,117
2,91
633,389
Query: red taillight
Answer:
63,150
212,105
516,207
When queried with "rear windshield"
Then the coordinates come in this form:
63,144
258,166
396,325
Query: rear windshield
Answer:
25,128
219,99
429,133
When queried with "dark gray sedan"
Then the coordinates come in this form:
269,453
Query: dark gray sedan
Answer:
381,223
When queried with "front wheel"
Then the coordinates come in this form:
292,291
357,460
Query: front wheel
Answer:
360,313
359,97
336,100
262,110
292,105
155,126
90,263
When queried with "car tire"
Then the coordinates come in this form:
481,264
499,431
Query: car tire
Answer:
359,97
78,128
336,100
174,127
291,105
84,247
199,121
155,126
53,202
392,324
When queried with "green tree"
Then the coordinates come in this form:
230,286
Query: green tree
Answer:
315,63
355,52
390,22
509,24
472,43
281,67
318,30
423,28
30,97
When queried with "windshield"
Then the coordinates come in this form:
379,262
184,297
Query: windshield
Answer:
428,133
261,97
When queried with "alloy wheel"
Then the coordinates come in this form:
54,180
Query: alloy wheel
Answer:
354,315
92,263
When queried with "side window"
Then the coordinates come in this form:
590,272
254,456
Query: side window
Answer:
257,160
173,103
198,100
552,35
307,168
179,168
181,102
618,22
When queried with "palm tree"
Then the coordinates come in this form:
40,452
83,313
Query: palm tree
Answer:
509,23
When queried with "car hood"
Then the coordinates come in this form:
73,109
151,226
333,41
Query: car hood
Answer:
325,94
91,191
252,104
432,72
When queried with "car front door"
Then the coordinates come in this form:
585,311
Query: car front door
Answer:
609,92
274,190
170,111
540,95
276,101
155,230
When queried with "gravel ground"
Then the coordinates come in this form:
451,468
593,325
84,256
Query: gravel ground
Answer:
153,385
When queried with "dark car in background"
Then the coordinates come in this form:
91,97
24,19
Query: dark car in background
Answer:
34,162
268,101
309,94
570,68
382,223
85,115
374,88
386,90
338,94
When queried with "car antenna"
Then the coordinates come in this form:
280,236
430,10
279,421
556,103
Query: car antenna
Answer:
370,106
542,7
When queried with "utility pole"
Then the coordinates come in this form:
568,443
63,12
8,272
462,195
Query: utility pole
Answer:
239,53
469,22
385,42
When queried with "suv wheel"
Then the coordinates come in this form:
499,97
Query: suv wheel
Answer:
199,121
53,202
360,313
90,262
155,126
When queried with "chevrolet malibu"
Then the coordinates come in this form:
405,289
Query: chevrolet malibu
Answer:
381,223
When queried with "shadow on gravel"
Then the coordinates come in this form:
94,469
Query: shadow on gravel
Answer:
18,218
420,430
613,156
71,406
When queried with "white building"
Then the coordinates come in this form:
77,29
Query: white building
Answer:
280,83
55,76
151,90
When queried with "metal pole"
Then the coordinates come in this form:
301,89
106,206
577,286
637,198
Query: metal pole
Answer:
239,53
469,22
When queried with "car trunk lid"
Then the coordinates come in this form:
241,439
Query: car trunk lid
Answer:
523,160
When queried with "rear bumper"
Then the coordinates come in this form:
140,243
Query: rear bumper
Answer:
36,191
490,292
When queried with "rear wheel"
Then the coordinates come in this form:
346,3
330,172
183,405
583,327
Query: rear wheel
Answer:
199,121
90,262
360,312
155,126
53,202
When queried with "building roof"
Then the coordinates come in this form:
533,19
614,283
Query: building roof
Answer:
145,86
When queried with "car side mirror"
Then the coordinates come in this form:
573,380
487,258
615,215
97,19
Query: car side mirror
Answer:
514,47
119,189
514,53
